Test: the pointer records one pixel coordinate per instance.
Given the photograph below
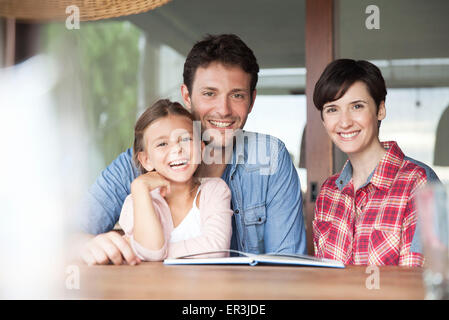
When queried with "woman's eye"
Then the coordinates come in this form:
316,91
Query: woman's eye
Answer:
330,110
185,139
358,106
162,144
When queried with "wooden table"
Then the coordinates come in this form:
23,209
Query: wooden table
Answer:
153,280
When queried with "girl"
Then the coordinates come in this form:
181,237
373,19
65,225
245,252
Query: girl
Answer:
170,213
365,214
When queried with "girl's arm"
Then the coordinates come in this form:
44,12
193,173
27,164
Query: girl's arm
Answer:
141,218
216,223
147,224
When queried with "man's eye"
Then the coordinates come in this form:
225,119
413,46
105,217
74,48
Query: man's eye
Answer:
238,95
208,93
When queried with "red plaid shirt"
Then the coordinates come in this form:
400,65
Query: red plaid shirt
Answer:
375,225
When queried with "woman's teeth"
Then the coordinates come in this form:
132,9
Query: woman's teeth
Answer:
349,135
221,124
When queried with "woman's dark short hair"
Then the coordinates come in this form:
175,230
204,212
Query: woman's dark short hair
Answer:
227,49
341,74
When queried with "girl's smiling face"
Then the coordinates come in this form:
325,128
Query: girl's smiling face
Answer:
352,121
170,148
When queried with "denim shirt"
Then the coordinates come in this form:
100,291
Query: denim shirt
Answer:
265,188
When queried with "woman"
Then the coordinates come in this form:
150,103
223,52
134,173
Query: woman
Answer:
365,214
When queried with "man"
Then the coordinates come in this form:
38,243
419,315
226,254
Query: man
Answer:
220,77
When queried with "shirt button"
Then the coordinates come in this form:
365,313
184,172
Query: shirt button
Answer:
341,181
236,211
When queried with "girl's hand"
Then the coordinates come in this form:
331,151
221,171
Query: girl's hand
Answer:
150,181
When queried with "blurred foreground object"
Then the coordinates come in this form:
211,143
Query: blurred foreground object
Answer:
43,175
433,207
44,10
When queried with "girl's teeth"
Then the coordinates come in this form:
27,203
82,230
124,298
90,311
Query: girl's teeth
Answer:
220,124
177,163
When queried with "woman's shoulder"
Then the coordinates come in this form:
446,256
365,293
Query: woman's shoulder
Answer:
418,170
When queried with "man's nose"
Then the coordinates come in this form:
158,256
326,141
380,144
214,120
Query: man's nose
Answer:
223,107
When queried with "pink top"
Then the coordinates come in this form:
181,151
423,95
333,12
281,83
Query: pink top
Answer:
216,227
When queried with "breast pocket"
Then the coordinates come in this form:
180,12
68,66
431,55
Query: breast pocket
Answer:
254,220
321,231
332,240
384,246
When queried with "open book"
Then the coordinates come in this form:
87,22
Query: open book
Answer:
253,259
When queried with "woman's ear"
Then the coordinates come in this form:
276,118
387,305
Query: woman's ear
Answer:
145,161
381,111
185,94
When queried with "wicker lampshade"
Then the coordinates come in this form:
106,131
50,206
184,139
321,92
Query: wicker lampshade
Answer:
45,10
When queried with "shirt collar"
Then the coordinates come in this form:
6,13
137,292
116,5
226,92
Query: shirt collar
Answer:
388,166
345,176
383,175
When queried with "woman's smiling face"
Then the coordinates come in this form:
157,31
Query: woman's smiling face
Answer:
352,121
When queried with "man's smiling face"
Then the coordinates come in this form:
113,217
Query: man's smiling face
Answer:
221,99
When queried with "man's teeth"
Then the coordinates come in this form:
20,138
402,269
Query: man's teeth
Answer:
220,124
349,135
177,163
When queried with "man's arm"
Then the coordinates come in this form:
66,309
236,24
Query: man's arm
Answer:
284,229
96,243
104,201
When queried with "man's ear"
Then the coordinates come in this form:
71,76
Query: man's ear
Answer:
145,161
253,100
381,112
185,94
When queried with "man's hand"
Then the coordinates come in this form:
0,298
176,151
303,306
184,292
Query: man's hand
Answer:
150,181
108,247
